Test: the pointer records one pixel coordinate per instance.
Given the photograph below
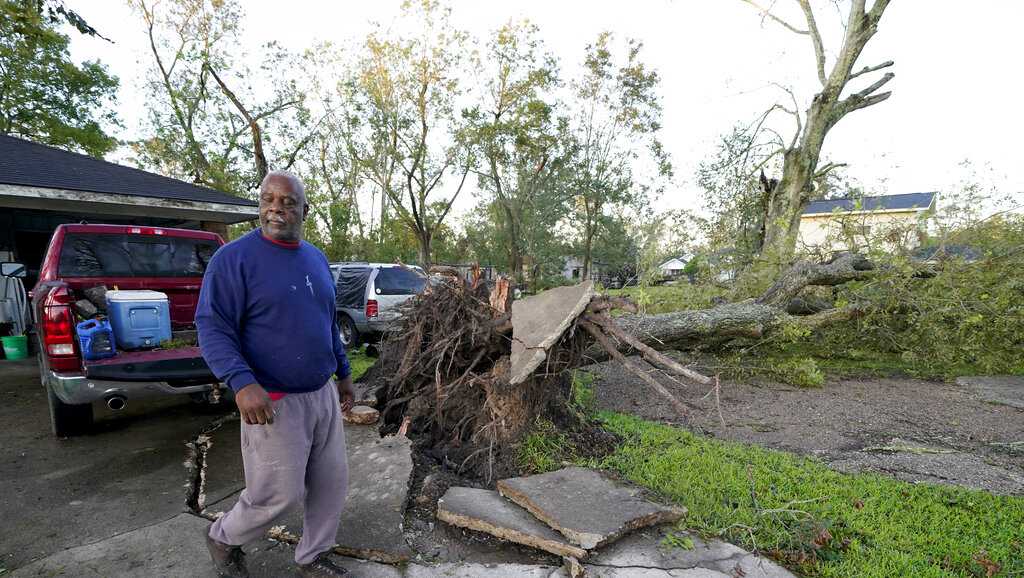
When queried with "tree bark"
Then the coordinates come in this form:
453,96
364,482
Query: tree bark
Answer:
424,249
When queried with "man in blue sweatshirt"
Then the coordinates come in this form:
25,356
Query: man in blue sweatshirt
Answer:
266,328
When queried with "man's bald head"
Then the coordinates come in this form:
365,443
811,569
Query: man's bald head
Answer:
283,206
283,178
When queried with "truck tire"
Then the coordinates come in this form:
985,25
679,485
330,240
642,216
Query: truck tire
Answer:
67,420
349,333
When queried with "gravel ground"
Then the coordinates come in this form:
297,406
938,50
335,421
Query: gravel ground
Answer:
917,431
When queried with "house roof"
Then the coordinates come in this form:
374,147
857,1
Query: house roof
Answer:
31,164
680,260
907,202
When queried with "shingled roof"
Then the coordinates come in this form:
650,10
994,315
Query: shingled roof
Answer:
31,164
904,202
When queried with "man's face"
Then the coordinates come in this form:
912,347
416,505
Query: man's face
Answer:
282,209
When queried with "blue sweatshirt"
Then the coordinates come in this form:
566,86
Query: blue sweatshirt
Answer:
266,316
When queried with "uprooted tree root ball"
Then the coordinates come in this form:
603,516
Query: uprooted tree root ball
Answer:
444,375
445,371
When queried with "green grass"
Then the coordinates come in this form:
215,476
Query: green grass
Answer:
545,449
359,362
821,522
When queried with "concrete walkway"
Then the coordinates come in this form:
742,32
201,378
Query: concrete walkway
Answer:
174,549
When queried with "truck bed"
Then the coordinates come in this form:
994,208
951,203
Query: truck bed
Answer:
183,366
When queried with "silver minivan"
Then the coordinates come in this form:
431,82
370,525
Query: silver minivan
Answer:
369,296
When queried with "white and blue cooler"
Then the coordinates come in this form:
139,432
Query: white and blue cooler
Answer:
140,319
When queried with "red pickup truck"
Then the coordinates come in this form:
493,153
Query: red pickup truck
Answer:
80,257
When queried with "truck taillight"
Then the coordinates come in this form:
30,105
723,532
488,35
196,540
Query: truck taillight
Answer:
145,231
58,333
371,308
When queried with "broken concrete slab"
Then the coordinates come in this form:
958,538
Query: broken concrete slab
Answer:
538,322
647,549
753,566
175,549
1001,389
379,474
586,506
486,511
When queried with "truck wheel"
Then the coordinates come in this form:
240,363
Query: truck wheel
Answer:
349,333
67,419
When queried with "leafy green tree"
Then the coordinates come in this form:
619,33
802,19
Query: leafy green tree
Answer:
615,123
44,96
522,146
412,149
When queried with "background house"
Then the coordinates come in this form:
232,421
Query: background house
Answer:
897,221
42,187
573,270
673,268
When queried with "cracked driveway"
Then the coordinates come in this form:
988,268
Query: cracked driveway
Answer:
58,494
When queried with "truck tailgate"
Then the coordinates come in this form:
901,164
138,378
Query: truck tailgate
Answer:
184,366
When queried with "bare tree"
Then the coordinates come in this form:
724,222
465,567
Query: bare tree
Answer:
801,173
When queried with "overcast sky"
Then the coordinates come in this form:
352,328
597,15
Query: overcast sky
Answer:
957,92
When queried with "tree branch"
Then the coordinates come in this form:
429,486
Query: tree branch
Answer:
876,85
844,268
607,345
765,13
819,48
877,9
829,316
864,98
254,127
868,69
829,167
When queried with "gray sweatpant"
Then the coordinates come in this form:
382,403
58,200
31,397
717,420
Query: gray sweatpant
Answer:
298,460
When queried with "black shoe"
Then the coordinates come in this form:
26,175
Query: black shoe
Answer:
321,567
228,561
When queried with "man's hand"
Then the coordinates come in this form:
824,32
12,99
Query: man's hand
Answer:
254,405
346,393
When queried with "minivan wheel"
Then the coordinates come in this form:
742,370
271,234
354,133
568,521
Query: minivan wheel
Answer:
66,419
349,333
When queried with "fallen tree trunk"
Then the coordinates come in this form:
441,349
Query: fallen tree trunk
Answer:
753,318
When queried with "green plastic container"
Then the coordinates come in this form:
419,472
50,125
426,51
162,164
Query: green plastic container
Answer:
15,347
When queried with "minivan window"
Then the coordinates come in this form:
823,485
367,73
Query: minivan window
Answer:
398,281
120,255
